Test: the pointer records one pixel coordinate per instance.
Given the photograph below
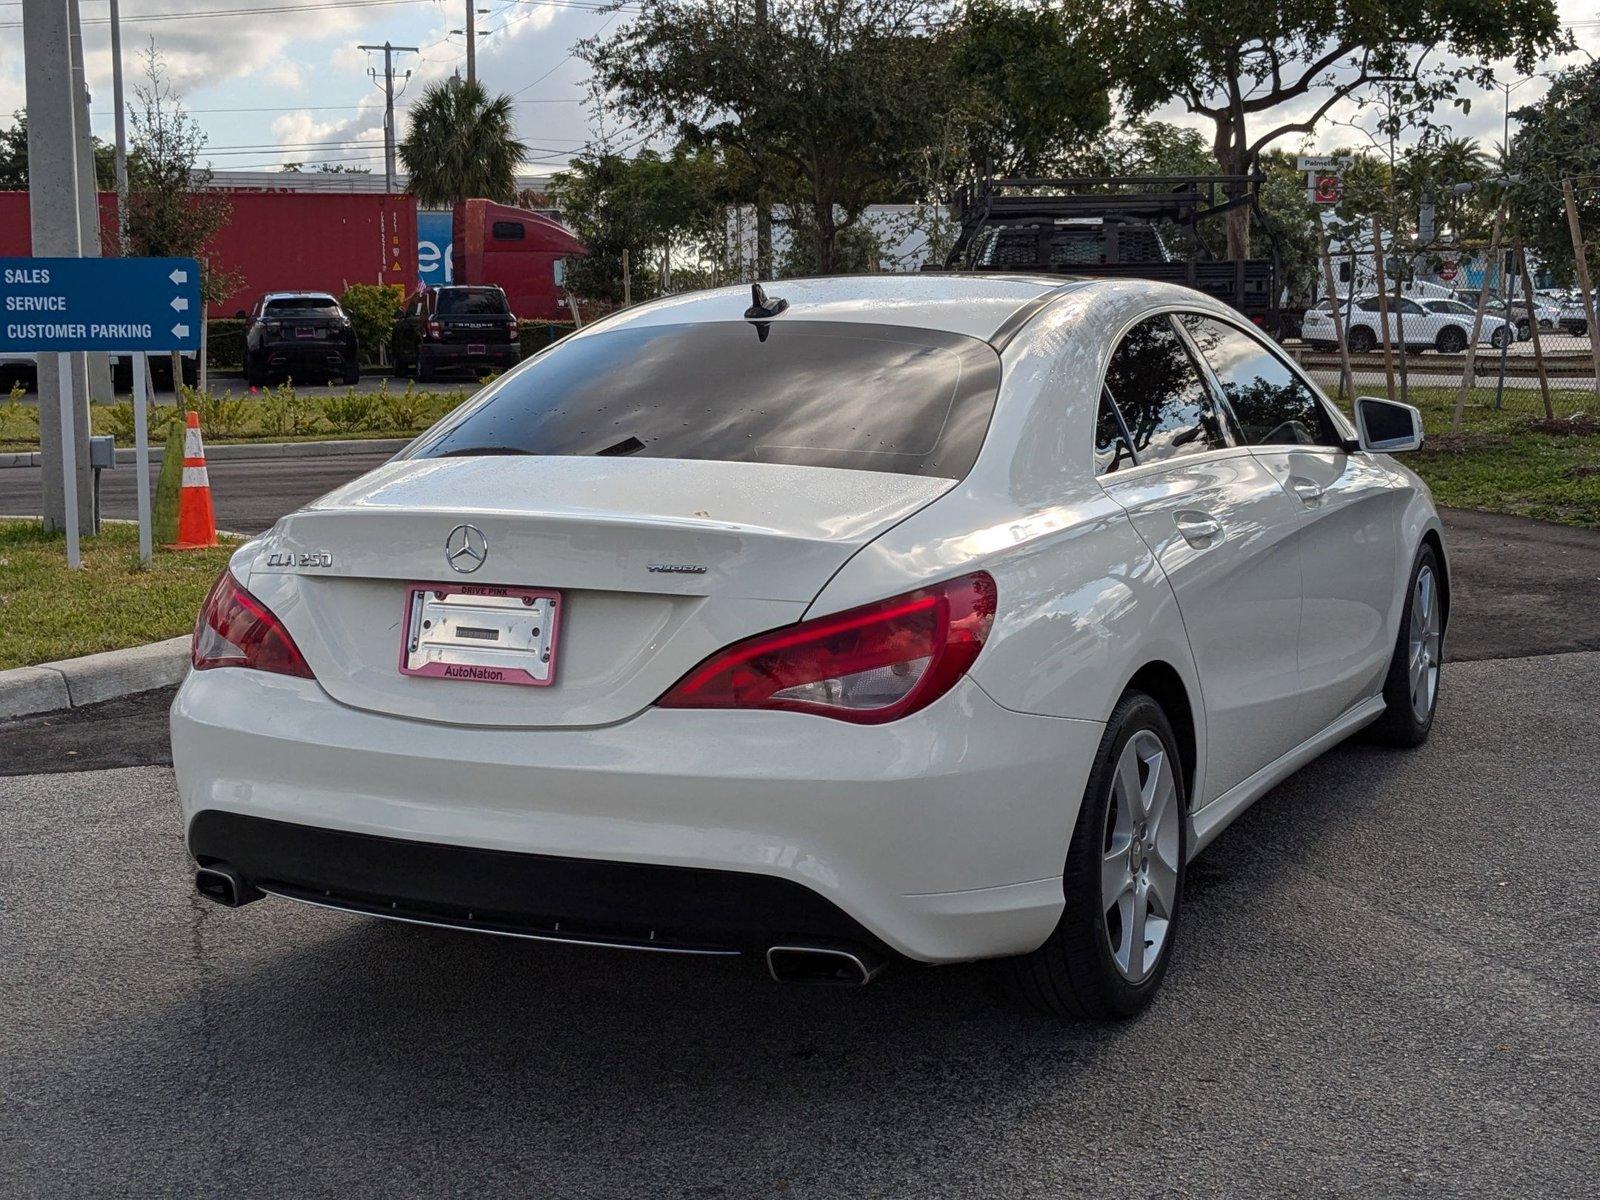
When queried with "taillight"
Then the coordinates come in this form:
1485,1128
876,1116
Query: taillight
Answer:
867,665
237,630
435,330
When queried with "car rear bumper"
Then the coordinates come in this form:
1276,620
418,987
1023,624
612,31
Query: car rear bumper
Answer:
308,353
449,354
940,837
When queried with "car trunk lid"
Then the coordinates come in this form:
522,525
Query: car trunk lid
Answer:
658,562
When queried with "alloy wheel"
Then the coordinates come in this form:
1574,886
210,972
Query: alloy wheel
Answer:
1139,870
1427,637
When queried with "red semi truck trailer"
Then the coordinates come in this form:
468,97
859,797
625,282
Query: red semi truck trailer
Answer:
288,240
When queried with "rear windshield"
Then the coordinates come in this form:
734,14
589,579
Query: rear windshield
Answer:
811,393
280,305
471,302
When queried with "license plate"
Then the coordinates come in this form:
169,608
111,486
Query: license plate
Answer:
477,348
308,333
481,634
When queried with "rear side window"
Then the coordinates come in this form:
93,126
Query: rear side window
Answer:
1111,449
462,302
812,393
1168,410
1272,406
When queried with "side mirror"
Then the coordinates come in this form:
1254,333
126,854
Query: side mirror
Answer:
1387,426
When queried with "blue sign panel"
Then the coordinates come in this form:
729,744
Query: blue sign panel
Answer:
130,304
433,247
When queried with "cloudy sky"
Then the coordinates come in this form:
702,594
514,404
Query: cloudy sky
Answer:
280,82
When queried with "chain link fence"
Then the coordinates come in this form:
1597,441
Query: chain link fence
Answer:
1470,332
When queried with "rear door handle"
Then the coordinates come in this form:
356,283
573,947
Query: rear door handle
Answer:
1199,529
1307,489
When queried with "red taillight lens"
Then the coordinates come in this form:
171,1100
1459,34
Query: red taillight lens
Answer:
237,630
435,330
868,665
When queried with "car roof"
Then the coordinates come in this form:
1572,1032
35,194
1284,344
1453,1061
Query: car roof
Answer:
293,295
978,305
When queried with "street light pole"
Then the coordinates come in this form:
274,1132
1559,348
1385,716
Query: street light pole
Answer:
121,130
472,41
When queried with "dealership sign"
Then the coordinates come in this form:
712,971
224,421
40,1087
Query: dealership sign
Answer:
129,305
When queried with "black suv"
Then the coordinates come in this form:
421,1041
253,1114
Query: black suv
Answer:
303,335
465,326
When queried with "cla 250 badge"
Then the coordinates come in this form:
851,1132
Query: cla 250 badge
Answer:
306,558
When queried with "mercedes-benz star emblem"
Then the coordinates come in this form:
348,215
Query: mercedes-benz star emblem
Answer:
466,549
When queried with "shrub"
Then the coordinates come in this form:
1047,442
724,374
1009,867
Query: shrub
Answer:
220,416
286,414
225,343
406,410
372,308
536,335
350,412
117,420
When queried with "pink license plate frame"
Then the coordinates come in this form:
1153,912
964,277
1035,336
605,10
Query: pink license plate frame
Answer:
499,673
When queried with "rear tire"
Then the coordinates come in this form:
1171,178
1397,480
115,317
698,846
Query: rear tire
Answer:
1411,688
352,372
424,373
1450,340
254,374
1362,340
1123,880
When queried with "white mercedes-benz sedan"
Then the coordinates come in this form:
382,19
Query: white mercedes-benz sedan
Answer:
927,618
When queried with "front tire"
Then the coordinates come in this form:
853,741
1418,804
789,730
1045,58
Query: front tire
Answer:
1123,880
1411,688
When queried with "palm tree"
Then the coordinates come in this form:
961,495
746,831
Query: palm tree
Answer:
459,144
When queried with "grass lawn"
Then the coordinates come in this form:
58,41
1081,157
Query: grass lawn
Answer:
48,612
273,415
1511,461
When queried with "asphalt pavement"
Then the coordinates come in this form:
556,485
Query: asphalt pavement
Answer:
1387,984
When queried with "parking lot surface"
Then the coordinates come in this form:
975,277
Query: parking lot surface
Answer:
1387,984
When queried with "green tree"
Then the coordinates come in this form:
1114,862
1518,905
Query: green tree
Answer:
461,144
1560,139
1263,72
1030,89
14,158
171,210
832,103
649,205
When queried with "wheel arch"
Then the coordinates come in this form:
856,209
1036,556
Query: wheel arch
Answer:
1430,537
1161,681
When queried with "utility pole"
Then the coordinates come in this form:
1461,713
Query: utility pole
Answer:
54,229
122,130
763,207
95,367
472,41
388,104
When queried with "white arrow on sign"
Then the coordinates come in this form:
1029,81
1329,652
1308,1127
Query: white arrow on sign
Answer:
179,276
179,303
180,331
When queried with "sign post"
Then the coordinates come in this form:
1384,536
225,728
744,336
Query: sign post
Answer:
127,305
141,453
69,463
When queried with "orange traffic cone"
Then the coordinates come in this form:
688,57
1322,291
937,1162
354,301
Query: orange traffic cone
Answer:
197,527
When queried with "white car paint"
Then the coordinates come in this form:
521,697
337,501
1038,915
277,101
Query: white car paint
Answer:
943,833
1426,323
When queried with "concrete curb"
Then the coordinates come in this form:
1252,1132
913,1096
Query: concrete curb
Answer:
74,682
243,451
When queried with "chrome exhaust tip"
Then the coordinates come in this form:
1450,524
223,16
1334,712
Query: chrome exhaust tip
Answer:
225,886
827,965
